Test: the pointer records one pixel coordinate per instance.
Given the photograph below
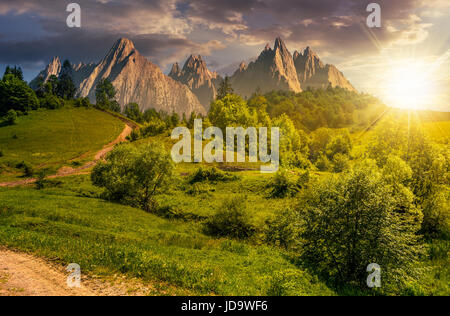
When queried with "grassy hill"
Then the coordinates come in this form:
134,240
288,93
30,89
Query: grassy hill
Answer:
70,222
52,138
67,223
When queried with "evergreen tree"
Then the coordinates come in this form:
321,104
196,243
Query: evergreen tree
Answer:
105,95
224,89
16,72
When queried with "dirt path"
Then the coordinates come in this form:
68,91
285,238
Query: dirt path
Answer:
68,171
24,275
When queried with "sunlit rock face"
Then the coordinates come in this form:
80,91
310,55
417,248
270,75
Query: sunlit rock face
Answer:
273,70
313,73
135,78
196,75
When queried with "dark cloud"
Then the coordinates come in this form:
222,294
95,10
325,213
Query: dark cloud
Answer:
167,30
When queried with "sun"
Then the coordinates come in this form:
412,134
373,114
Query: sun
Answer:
409,87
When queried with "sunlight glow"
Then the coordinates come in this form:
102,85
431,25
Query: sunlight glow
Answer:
410,87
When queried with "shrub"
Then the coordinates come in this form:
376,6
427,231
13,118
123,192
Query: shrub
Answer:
323,164
283,230
231,221
10,117
51,102
436,215
134,175
134,136
198,189
1,153
283,185
357,219
211,175
26,167
340,163
83,102
16,95
42,182
154,128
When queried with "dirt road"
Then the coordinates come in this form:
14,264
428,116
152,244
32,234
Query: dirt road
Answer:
25,275
68,171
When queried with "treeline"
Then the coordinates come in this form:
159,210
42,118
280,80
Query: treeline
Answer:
313,109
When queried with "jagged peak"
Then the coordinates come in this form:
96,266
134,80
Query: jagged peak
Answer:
124,42
242,66
296,55
122,48
279,44
175,71
267,48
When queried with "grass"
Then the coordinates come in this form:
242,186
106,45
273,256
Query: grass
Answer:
52,138
68,224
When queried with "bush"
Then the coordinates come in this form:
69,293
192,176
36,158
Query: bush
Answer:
323,164
51,102
42,182
1,153
211,175
231,221
83,102
436,215
135,175
10,117
198,189
154,128
357,219
283,230
283,185
340,163
26,167
16,95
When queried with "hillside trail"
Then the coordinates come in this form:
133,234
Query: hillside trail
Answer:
68,171
25,275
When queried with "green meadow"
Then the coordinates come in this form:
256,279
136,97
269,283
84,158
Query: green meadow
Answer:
53,138
70,220
70,224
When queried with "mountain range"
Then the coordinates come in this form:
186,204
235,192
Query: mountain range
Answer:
193,87
135,79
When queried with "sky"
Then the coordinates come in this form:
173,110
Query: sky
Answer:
408,55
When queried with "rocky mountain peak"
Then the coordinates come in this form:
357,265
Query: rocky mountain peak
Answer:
121,49
196,75
175,71
279,45
135,79
273,70
313,73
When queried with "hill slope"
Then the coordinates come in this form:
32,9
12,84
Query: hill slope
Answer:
51,138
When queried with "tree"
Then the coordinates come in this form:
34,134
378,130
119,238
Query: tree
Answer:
230,111
225,88
105,94
15,94
133,112
10,117
16,72
135,175
357,219
65,87
51,85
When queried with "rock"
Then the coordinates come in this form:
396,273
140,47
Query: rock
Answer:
313,73
196,75
135,78
273,70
